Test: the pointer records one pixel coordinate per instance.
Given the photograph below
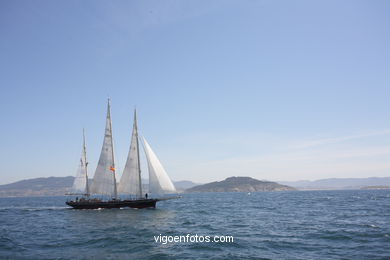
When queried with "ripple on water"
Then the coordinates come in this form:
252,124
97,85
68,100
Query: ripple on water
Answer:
284,225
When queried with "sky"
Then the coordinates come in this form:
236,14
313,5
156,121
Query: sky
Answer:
275,90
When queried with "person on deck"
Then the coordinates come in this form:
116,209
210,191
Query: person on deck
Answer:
146,195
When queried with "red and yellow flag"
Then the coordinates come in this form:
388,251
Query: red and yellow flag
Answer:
112,168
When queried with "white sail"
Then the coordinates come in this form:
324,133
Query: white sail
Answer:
130,182
104,179
80,184
159,181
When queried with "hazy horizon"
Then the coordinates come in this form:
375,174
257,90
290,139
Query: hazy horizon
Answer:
199,183
275,90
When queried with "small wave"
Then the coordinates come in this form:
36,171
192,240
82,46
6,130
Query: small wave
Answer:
33,208
47,208
371,225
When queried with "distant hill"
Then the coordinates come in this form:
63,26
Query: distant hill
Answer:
57,186
50,186
183,185
338,183
239,184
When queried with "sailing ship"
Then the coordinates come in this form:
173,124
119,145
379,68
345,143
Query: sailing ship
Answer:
130,185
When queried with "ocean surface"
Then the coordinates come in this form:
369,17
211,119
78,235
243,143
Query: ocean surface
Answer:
352,224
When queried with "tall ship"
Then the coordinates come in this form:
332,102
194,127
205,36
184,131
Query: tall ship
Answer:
104,192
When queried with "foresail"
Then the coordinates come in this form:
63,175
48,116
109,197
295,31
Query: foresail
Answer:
103,180
159,181
130,182
80,183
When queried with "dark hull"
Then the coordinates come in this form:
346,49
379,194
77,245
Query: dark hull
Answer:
112,204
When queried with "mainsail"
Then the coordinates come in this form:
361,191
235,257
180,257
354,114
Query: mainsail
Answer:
159,181
104,179
130,182
80,184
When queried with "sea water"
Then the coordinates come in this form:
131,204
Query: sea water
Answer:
353,224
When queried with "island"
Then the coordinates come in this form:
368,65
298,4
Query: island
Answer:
240,184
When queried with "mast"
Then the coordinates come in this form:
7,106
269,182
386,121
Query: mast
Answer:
112,150
80,185
104,180
130,182
139,165
85,164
